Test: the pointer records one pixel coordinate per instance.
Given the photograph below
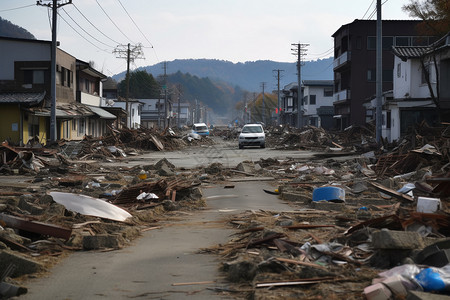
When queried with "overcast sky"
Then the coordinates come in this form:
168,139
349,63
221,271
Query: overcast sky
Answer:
232,30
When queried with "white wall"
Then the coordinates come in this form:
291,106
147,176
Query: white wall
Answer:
409,84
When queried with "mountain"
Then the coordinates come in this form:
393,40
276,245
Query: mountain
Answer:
248,75
8,29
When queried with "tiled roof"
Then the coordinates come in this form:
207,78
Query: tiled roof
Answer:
318,82
405,52
24,98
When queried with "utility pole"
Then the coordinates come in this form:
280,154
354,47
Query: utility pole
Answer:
299,50
179,107
278,94
263,111
54,5
130,53
379,68
166,105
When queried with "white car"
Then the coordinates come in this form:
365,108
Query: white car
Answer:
252,135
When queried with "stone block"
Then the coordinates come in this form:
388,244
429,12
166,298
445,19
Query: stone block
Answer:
295,197
100,241
390,239
327,205
23,265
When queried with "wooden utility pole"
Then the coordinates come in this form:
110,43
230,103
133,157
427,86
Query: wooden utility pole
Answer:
54,5
263,110
130,53
278,110
379,68
299,50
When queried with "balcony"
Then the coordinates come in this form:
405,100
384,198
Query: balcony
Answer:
88,99
342,60
341,96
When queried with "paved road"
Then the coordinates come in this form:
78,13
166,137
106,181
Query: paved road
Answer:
160,257
224,152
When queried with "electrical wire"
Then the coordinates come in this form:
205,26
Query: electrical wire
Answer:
375,10
85,30
9,9
135,23
113,21
94,25
151,45
82,35
368,9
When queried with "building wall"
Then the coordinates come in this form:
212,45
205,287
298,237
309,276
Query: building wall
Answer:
10,123
354,38
17,50
65,86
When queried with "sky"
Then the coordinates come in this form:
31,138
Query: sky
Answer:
230,30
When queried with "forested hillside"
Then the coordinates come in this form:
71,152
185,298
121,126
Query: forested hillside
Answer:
8,29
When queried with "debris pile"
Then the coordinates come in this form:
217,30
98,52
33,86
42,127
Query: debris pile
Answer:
53,212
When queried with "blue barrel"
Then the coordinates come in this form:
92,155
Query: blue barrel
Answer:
329,193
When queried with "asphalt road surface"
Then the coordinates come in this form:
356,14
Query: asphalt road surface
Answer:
162,261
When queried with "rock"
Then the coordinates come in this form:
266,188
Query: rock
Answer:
22,264
390,239
102,241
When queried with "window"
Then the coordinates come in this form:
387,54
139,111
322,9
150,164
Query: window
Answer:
289,102
328,92
33,126
34,76
371,75
402,41
419,41
81,126
312,99
399,70
387,42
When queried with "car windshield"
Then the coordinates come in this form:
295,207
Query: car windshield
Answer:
201,128
252,129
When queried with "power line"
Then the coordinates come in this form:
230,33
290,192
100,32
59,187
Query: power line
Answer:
375,10
94,25
82,35
368,9
145,37
86,31
112,21
135,23
15,8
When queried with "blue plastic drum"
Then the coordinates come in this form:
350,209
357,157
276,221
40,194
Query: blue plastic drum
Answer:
329,193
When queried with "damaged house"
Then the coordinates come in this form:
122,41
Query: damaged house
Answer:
421,89
25,94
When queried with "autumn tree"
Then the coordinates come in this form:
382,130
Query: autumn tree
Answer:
435,15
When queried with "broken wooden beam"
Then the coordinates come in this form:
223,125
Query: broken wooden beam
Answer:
36,227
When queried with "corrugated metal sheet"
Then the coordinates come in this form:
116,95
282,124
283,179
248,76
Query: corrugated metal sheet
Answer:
103,114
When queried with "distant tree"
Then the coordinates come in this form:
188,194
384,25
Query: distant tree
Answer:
256,107
435,15
142,86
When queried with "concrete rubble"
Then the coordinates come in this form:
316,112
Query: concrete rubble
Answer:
394,212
